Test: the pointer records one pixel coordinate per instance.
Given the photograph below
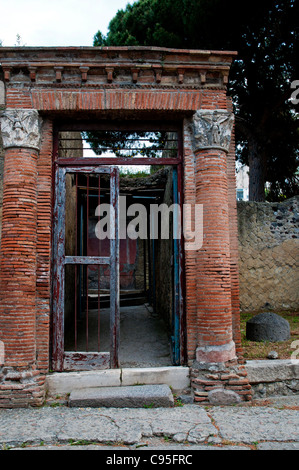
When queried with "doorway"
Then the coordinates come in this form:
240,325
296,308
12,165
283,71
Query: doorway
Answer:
117,299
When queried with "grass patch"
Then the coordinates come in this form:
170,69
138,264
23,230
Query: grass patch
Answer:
80,442
261,349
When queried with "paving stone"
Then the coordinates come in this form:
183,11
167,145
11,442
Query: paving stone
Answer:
278,446
238,427
250,425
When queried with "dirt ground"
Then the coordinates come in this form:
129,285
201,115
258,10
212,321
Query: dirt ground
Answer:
260,350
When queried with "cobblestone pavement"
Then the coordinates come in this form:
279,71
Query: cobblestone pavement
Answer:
263,425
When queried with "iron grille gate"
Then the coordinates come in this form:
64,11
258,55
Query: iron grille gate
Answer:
78,188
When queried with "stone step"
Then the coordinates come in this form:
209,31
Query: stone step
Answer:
137,396
63,383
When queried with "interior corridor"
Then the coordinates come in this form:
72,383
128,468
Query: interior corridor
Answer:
144,339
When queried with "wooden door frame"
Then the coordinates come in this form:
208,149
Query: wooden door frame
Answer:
180,337
72,360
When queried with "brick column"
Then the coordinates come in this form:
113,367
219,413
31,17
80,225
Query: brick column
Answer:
21,140
215,342
215,346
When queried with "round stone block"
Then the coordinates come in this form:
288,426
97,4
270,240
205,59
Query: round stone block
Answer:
267,326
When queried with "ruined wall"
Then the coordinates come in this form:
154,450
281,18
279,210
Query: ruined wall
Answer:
269,255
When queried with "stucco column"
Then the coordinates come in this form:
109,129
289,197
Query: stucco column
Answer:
21,141
211,139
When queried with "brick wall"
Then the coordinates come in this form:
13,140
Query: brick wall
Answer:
2,106
269,254
1,180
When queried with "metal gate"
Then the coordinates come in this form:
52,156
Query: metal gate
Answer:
82,262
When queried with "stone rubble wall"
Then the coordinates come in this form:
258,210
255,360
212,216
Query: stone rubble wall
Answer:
273,378
269,255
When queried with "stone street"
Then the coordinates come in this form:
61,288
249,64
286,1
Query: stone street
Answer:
263,425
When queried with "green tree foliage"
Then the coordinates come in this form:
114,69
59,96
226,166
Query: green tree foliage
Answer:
265,34
129,144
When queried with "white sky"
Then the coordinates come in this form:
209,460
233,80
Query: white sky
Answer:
56,22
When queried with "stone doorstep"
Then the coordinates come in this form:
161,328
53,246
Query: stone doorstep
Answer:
259,371
63,383
138,396
276,370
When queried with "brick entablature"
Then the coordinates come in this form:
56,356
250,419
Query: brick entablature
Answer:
115,66
129,83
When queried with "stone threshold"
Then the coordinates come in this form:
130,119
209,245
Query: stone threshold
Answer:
63,383
267,378
276,377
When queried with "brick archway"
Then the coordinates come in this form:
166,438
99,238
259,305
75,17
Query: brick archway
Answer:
44,86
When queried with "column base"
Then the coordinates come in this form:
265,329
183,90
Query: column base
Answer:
220,383
221,353
20,388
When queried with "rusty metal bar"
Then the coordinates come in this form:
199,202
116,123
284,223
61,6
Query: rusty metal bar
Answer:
124,149
114,270
115,161
150,288
152,228
87,237
144,265
76,252
81,268
140,139
99,245
76,300
87,260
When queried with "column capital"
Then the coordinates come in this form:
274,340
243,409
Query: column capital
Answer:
21,128
212,128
